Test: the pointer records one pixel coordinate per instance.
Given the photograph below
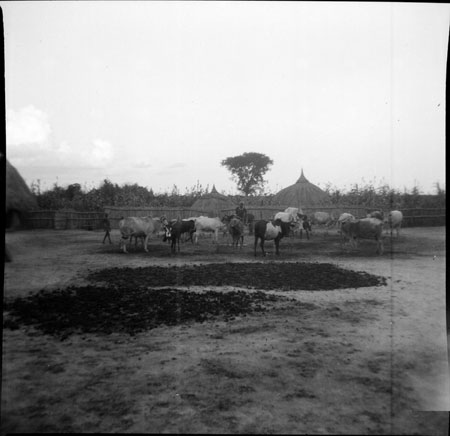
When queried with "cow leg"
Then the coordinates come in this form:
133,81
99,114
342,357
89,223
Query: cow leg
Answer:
146,242
123,245
380,248
342,242
277,246
262,246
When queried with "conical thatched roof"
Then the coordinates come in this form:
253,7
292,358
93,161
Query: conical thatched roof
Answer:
17,194
301,194
213,202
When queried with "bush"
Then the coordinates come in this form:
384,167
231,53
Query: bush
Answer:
110,194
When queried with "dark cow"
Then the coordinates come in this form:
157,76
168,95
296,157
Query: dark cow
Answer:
271,230
176,229
235,227
187,227
378,214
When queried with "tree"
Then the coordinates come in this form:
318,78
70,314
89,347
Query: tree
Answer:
73,191
248,170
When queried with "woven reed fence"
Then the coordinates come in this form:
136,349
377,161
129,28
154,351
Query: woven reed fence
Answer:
60,220
116,213
417,217
63,220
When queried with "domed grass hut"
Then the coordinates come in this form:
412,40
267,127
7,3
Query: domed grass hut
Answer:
212,203
18,197
302,194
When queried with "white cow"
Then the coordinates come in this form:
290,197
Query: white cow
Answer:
324,219
290,215
297,212
204,224
343,218
394,221
366,228
140,226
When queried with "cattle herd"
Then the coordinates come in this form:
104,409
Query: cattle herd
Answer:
288,222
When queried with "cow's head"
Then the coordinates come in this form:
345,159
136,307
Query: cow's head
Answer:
164,221
167,233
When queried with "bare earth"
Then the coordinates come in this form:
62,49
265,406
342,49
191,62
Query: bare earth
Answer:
369,360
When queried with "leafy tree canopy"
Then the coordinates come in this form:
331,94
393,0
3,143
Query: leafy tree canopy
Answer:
248,171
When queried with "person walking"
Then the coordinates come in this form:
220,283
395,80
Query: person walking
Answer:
106,228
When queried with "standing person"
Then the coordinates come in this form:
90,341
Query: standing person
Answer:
241,212
106,228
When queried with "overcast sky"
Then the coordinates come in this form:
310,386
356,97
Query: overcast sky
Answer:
158,93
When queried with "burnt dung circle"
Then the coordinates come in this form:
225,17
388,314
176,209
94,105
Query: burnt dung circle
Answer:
130,300
263,275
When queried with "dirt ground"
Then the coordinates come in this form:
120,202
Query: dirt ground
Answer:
368,360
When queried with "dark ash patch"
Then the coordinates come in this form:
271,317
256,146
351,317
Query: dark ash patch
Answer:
263,275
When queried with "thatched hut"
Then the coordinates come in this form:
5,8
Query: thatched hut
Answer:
18,197
212,203
301,194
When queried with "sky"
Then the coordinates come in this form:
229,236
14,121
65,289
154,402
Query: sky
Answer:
159,93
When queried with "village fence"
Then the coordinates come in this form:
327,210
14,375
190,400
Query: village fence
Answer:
115,214
67,219
63,220
412,217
